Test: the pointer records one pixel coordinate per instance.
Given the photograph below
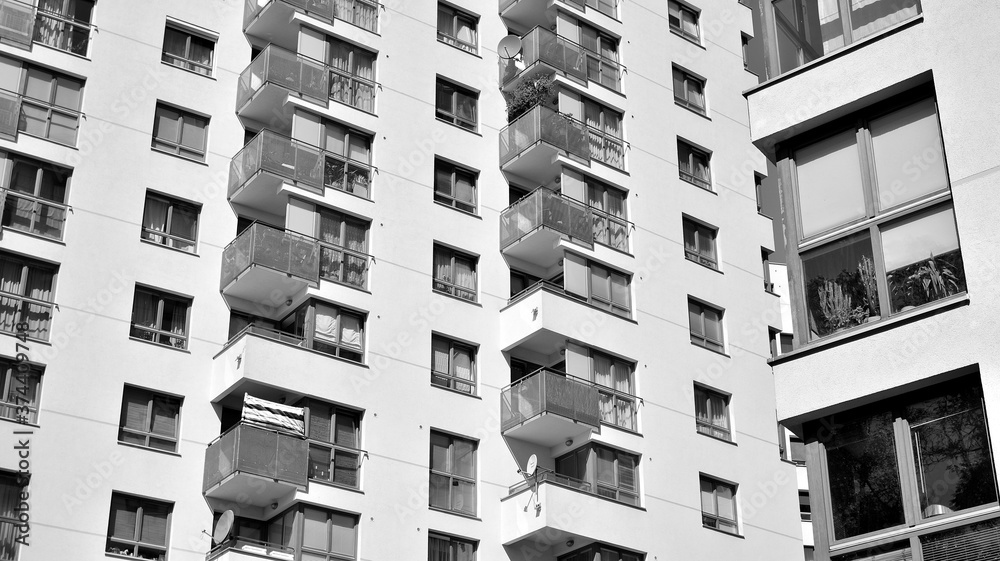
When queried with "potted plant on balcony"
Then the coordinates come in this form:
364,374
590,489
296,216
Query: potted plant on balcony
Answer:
527,94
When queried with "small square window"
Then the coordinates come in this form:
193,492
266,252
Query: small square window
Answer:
711,411
449,548
683,20
21,385
188,50
170,222
692,164
706,325
453,364
455,273
699,243
160,318
453,473
455,186
138,527
689,91
180,132
457,28
149,419
718,505
457,105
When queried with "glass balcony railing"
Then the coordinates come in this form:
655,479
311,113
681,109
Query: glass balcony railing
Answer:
252,450
606,148
278,66
543,46
17,22
31,214
610,230
543,208
264,246
351,89
362,13
542,124
548,391
62,32
307,166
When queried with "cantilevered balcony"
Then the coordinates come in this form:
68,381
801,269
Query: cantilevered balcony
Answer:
17,23
530,144
271,77
549,407
268,19
531,227
267,266
257,172
256,466
543,52
528,13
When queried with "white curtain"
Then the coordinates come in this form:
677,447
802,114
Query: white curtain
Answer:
350,330
326,323
154,218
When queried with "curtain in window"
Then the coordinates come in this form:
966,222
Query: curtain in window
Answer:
442,266
174,43
350,330
438,550
347,430
134,417
465,275
9,498
619,290
340,58
463,368
22,391
466,31
39,287
326,323
319,421
465,189
465,107
48,30
183,224
343,534
154,524
164,422
329,228
154,217
702,407
441,356
315,535
718,408
10,282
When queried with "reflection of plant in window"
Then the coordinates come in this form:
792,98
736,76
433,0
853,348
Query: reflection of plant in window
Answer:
927,280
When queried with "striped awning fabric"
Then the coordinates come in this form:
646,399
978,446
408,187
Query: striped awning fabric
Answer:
274,415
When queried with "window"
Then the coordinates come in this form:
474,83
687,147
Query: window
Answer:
179,132
611,226
689,91
683,20
765,260
805,510
456,105
25,296
343,245
607,7
699,243
449,548
521,281
885,172
11,487
334,440
718,505
338,331
160,318
692,163
607,472
149,419
362,13
455,273
64,24
20,383
942,433
453,473
324,535
797,450
604,127
36,196
599,285
457,28
352,74
706,325
170,222
348,163
711,413
138,527
616,380
187,50
598,551
745,47
455,186
601,51
51,101
453,364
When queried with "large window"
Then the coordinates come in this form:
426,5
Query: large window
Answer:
10,493
699,243
601,51
149,419
711,412
611,226
600,285
689,90
180,132
455,186
683,20
604,128
705,322
608,472
21,385
160,317
453,473
903,461
455,273
453,364
693,165
449,548
718,505
457,105
25,296
324,535
36,197
616,379
188,50
343,248
51,101
457,28
352,75
170,222
64,24
334,439
337,331
348,162
875,226
138,527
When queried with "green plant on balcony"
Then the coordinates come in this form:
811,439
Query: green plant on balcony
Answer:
869,285
927,280
527,94
837,306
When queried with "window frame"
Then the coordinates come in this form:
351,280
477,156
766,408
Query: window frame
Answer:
285,526
12,485
451,115
449,380
684,99
691,161
450,198
590,478
614,395
454,478
450,37
678,28
447,286
608,68
9,161
169,240
64,38
703,340
48,106
714,520
23,302
12,380
599,550
706,394
345,220
708,258
334,446
603,233
136,542
184,61
160,299
153,397
349,167
175,147
301,322
450,540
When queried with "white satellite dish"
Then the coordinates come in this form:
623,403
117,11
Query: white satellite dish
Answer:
529,470
509,47
223,526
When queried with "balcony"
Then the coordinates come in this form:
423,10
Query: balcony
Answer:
265,265
531,228
543,52
240,549
17,23
255,466
62,32
269,19
33,215
529,145
528,13
549,407
267,82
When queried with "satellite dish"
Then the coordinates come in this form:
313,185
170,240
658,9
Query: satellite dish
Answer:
532,465
223,526
509,47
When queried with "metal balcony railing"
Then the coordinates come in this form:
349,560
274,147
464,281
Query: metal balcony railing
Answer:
612,231
362,13
32,214
251,547
606,148
264,246
258,451
284,68
543,208
549,391
543,475
62,32
542,124
17,22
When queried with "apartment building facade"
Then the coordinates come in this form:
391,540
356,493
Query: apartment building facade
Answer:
274,292
888,195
